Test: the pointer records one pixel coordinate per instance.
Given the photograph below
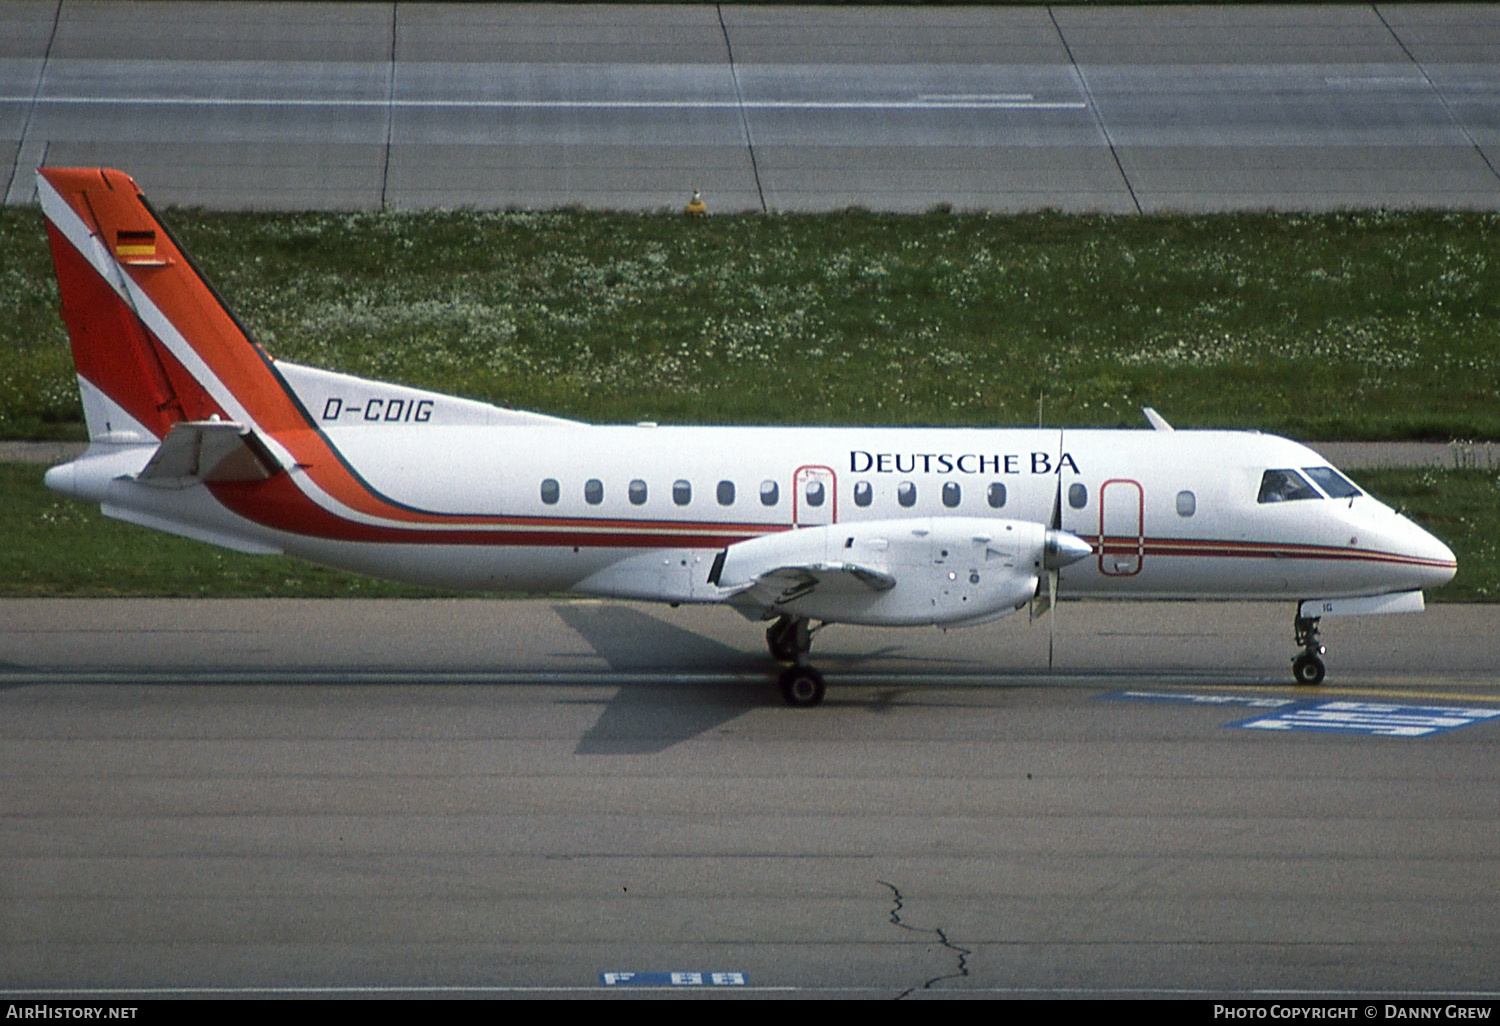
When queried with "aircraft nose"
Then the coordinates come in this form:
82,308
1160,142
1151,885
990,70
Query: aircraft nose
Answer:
1431,562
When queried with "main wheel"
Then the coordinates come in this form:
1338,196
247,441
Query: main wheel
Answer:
1308,669
802,686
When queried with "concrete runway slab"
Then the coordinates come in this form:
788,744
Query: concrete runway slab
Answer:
546,35
514,797
1228,35
456,175
1446,33
762,107
894,36
1241,642
25,29
321,33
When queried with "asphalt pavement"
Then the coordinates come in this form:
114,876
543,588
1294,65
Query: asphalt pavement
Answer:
1118,109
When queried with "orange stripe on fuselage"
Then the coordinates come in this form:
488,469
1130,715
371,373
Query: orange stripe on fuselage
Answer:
278,503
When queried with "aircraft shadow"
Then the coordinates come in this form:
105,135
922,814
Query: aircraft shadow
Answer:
629,639
643,718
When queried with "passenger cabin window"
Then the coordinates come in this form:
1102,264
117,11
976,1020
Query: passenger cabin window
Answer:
1334,484
550,491
1187,504
682,493
995,495
593,491
906,493
770,494
1285,486
637,492
951,494
1078,496
813,492
863,493
725,493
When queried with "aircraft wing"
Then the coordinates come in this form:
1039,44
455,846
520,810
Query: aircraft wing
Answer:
922,570
203,451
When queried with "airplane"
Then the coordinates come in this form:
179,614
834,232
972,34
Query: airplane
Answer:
197,431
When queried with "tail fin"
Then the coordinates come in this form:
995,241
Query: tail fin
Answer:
152,342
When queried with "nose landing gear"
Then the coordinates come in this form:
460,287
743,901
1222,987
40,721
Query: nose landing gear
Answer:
1307,668
790,639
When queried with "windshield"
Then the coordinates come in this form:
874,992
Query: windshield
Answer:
1285,486
1334,484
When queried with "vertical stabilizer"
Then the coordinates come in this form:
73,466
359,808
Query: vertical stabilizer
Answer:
153,344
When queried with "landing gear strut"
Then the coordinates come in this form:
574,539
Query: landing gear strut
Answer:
1307,668
790,639
781,639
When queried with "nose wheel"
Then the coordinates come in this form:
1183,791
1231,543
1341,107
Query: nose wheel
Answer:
790,640
1308,668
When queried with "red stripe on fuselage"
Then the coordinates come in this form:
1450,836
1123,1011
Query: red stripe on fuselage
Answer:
280,504
1218,549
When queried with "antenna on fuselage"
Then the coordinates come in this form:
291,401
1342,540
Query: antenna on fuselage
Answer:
1156,420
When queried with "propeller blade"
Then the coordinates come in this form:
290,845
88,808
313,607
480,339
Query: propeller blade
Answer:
1040,603
1061,549
1051,615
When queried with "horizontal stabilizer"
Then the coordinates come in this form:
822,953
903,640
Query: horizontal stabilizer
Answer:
143,518
206,451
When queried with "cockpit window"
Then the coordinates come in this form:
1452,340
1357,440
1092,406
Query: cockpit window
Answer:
1334,484
1284,486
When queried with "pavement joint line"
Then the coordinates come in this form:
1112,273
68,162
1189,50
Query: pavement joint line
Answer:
31,105
1083,84
1028,679
1441,97
739,93
390,113
292,101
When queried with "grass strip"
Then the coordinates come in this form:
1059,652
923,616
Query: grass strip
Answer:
60,547
1364,325
55,546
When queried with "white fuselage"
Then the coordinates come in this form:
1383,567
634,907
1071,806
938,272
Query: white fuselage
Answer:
642,511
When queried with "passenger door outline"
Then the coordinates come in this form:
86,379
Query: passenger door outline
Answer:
804,515
1122,527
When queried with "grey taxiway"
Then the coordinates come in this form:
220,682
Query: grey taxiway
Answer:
761,107
523,797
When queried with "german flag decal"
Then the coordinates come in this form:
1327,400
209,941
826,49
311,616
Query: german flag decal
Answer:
132,246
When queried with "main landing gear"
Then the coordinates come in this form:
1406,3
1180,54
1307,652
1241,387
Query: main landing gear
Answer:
790,640
1307,668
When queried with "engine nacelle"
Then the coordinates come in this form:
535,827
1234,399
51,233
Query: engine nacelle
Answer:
930,570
